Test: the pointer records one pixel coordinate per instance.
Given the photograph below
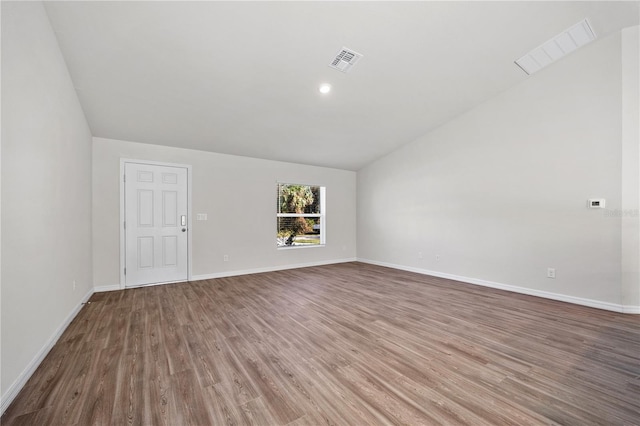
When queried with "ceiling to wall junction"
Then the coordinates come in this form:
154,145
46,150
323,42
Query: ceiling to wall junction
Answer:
242,78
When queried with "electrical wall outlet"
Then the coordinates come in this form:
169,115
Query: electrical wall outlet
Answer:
437,258
419,255
225,258
551,272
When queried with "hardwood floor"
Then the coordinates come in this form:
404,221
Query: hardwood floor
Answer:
340,344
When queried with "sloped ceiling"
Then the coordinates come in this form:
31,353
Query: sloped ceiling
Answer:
242,77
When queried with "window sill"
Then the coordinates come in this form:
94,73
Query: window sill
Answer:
300,246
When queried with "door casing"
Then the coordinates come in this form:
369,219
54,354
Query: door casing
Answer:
123,242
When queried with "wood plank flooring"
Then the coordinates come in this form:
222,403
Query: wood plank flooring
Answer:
341,344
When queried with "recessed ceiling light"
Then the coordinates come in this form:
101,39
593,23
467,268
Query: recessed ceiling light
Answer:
325,88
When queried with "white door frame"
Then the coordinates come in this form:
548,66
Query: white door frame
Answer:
123,242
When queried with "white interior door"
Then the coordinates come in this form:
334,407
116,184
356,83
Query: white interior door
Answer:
156,237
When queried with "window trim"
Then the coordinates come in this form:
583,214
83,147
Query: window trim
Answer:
322,215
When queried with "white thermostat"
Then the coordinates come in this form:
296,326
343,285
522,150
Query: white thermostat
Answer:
596,203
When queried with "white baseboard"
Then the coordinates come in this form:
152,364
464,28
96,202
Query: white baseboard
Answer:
26,374
116,287
224,274
268,269
628,309
102,288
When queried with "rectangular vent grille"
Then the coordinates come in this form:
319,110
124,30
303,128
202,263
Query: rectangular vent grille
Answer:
345,59
559,46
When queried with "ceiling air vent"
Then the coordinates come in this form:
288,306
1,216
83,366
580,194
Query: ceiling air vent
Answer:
559,46
345,59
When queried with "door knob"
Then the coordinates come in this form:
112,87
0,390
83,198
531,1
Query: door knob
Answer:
184,229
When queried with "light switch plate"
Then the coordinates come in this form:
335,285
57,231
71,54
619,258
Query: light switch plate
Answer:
201,216
596,203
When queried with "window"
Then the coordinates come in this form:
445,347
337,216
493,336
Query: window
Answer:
300,215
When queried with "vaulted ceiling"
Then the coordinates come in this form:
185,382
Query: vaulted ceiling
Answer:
242,78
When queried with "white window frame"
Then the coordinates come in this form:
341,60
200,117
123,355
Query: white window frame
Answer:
322,215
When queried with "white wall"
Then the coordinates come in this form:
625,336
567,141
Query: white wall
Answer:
46,194
1,391
500,193
630,215
238,194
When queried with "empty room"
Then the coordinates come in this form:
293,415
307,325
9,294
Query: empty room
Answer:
320,213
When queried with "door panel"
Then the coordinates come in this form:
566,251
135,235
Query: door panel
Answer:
169,208
145,252
169,251
155,241
145,208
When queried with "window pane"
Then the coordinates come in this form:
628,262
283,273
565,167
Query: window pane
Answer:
298,198
298,231
314,206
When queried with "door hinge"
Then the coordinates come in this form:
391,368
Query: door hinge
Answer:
125,224
125,271
124,178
